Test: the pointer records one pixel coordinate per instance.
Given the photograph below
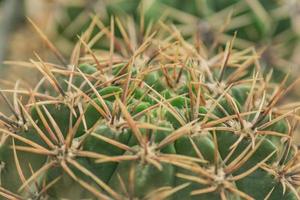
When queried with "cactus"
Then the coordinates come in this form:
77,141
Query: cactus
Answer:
270,26
151,117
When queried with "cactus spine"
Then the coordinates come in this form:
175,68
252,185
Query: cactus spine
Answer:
151,116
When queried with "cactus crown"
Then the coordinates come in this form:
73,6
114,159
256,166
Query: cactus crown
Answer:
150,115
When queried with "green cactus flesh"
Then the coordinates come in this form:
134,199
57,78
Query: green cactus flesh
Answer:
161,119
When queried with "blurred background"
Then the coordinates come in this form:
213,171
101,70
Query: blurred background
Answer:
272,27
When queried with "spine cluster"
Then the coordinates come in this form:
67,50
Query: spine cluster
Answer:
150,115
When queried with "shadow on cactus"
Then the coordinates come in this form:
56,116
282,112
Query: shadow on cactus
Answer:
155,120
